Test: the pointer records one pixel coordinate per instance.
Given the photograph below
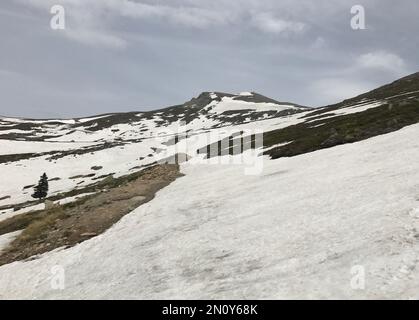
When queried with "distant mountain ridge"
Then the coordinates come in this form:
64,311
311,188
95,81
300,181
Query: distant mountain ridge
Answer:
209,109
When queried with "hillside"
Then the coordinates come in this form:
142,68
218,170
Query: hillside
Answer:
329,189
383,110
217,233
118,143
208,110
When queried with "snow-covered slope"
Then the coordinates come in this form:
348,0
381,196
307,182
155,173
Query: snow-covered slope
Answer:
338,188
208,110
296,231
121,143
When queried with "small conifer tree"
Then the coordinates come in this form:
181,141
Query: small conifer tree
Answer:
41,190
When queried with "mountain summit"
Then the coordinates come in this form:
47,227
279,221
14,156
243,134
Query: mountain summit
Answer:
208,110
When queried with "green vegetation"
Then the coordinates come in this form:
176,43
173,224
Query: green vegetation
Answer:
320,134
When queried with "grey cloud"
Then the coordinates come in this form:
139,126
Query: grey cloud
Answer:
120,55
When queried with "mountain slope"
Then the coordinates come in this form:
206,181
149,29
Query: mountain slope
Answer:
119,143
123,143
383,110
310,213
297,231
208,110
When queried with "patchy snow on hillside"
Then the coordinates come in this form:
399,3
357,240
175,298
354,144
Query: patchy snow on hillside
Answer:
21,120
356,108
6,214
299,230
17,147
83,120
229,104
117,160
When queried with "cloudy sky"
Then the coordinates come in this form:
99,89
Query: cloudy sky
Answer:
124,55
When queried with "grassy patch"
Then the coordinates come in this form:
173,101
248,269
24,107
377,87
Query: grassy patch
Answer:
35,230
72,223
18,222
306,137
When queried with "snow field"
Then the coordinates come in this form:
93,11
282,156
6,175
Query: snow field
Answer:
295,231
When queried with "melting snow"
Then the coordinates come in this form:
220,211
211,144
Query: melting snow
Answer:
297,231
7,238
229,104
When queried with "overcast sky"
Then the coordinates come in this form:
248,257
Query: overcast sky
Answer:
125,55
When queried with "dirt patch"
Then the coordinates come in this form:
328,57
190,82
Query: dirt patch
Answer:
67,225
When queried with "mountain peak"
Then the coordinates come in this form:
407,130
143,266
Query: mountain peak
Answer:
245,96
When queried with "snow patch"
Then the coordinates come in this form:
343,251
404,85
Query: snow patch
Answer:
6,239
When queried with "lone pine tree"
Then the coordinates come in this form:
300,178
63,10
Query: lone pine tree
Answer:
41,190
